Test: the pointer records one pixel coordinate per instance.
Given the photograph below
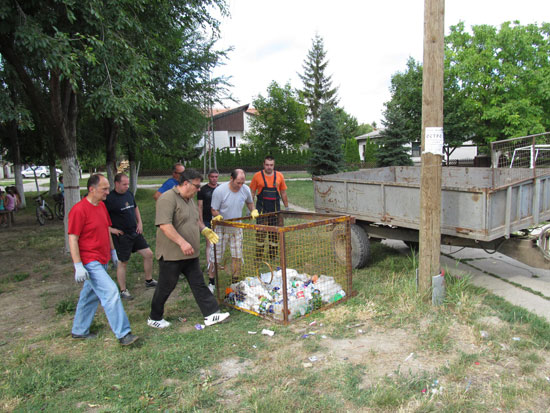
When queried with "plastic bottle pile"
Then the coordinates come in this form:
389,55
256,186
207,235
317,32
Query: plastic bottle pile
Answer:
305,293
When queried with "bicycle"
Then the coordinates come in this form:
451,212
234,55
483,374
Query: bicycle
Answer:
59,207
43,210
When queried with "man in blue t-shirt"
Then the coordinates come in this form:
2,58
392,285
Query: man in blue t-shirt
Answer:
177,170
127,231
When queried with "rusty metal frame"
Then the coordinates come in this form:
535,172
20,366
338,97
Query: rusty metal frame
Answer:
327,219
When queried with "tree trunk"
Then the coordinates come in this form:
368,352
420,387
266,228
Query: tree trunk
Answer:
53,174
14,139
64,111
134,168
19,183
110,131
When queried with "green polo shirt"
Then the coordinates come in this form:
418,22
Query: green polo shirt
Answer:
184,216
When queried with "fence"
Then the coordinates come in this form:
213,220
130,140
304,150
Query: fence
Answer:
527,156
308,253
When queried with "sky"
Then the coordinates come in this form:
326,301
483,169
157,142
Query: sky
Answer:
366,42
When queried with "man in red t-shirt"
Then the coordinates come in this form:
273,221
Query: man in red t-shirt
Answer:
91,248
271,188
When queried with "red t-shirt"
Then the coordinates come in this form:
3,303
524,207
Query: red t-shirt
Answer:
257,183
91,223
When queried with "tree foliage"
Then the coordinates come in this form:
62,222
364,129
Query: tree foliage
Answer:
318,90
403,117
280,122
347,123
326,145
108,58
502,78
351,152
364,128
496,86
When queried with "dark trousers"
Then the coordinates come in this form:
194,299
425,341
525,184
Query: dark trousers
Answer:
273,239
169,272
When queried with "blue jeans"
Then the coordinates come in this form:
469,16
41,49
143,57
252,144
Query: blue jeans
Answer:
100,287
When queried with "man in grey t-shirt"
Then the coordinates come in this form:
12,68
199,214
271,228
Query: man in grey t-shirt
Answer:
228,200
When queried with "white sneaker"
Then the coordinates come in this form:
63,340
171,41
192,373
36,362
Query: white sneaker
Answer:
215,318
158,324
212,288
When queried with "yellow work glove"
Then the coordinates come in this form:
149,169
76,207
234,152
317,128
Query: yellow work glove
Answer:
217,218
210,235
254,214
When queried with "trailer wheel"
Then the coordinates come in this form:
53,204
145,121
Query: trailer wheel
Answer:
360,245
414,246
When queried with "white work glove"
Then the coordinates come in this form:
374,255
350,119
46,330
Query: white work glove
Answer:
217,218
80,273
210,235
254,214
114,258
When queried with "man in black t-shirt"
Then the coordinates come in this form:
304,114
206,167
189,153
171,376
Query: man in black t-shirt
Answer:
127,230
204,198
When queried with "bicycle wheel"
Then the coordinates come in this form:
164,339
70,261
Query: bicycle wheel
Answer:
48,212
40,216
59,210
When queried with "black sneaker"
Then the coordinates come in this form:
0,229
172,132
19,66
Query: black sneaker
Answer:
151,283
83,336
128,339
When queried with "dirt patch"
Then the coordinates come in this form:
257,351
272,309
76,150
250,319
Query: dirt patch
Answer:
232,367
384,352
34,276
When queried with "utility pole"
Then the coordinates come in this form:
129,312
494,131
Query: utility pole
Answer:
432,143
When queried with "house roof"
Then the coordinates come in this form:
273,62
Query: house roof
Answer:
371,135
219,113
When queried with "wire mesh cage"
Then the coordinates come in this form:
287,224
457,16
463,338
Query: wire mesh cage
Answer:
308,253
523,155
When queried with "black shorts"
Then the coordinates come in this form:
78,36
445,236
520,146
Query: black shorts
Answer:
125,244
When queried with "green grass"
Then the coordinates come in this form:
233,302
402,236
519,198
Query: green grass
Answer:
225,369
301,193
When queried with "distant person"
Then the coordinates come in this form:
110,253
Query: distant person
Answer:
91,248
228,200
61,186
127,231
271,188
177,250
17,196
10,201
177,170
3,217
204,200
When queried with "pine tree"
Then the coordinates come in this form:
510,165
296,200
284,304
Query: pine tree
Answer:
318,90
326,146
351,152
392,150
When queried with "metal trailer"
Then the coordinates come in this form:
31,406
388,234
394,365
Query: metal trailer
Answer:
489,208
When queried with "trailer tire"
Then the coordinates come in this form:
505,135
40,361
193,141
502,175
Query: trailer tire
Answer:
360,246
414,246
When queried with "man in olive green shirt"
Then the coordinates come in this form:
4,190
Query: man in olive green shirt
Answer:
177,250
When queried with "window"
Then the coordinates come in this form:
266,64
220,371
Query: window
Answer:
232,141
415,150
